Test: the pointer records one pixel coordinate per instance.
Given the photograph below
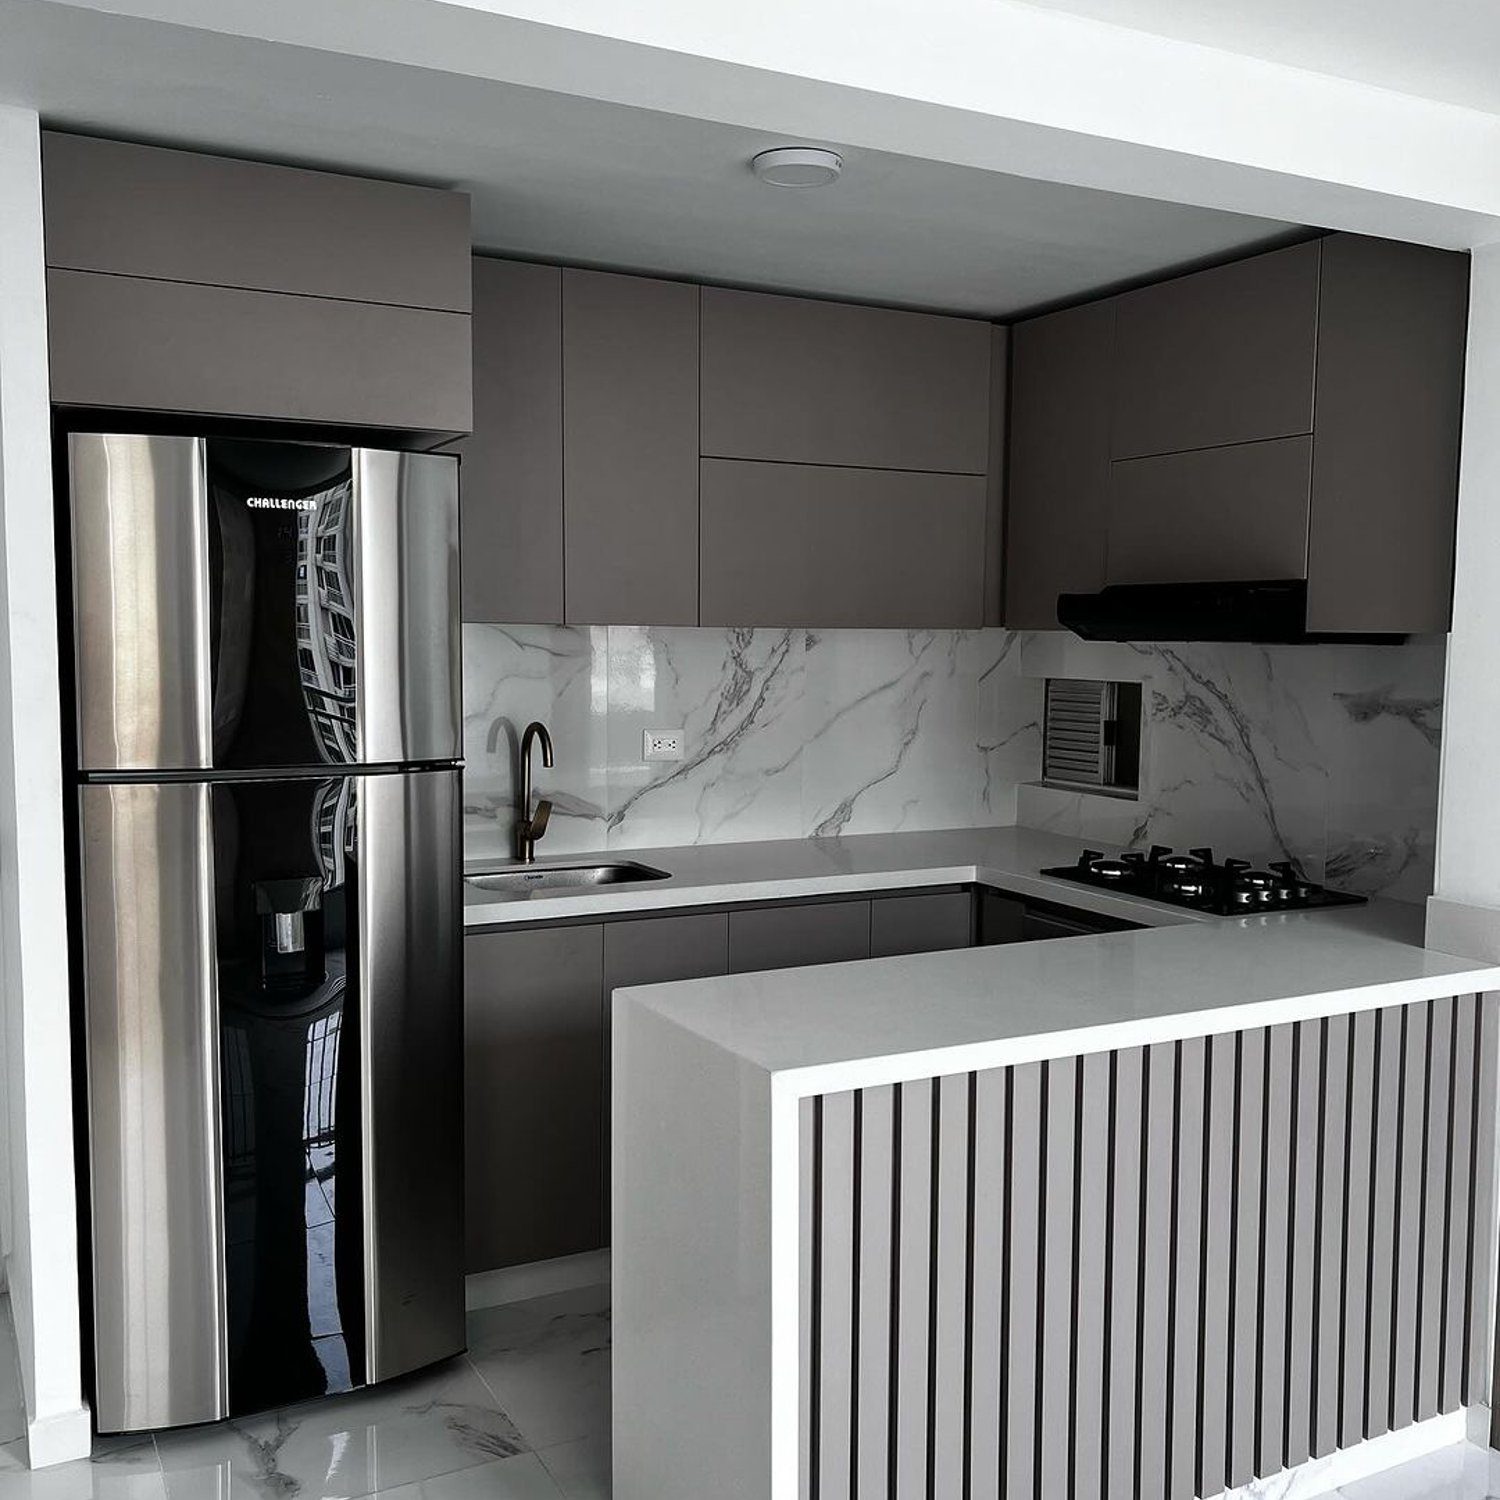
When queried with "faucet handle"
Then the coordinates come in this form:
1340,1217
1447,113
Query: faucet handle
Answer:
536,824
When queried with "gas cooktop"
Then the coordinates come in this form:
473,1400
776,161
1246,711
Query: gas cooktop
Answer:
1232,888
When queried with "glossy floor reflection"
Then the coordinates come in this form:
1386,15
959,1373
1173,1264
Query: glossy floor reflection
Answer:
523,1416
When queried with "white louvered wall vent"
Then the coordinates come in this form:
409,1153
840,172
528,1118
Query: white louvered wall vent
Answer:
1092,735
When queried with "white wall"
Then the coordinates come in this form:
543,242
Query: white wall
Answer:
43,1250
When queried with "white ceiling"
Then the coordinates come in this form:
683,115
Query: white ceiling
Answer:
1436,49
554,176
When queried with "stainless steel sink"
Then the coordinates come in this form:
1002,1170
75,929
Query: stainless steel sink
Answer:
521,882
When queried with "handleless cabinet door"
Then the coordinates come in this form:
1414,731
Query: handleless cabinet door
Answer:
534,1094
1238,512
1220,356
1058,480
630,450
132,342
928,923
785,937
512,464
794,544
141,602
797,380
156,1183
130,210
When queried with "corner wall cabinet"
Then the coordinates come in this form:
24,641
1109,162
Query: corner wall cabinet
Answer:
1294,415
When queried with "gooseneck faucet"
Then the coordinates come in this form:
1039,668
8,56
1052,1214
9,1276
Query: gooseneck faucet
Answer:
530,826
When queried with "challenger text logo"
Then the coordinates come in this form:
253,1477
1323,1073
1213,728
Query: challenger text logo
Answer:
279,502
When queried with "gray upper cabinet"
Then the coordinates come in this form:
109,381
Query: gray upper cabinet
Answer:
630,450
132,210
533,1094
794,380
1058,480
1212,515
179,282
784,937
792,544
512,464
130,342
1225,355
1391,329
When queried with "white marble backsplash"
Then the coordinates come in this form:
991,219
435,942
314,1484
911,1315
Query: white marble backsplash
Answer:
1324,754
788,733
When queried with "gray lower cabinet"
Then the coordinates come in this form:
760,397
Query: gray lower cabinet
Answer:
799,380
793,544
1219,356
512,491
148,345
1213,515
1058,478
928,923
534,1092
630,450
784,937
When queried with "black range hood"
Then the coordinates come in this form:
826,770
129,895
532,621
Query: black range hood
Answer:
1270,612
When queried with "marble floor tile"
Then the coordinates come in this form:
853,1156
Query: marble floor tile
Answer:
120,1469
581,1468
1462,1472
346,1446
520,1478
553,1376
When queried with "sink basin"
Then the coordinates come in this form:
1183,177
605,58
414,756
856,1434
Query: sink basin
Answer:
520,882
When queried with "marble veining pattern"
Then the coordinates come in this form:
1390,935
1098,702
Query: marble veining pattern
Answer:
788,733
1326,755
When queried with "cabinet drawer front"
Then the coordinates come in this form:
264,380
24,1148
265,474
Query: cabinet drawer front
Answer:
784,937
512,470
182,216
921,924
802,381
119,341
1221,356
1211,516
787,544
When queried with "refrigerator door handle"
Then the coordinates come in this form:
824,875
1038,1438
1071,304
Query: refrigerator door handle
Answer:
411,1063
156,1156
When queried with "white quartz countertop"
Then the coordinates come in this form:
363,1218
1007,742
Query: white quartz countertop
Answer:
788,869
880,1021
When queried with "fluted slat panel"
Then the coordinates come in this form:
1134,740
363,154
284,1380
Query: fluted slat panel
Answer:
1149,1273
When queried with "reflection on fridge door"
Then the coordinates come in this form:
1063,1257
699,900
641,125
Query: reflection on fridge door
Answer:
266,659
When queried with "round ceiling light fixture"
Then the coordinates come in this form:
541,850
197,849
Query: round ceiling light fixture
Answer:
797,166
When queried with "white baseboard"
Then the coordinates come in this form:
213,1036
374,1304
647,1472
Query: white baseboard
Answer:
60,1438
540,1278
1325,1476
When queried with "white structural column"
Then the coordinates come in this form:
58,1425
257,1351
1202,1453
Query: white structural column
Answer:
41,1239
1463,915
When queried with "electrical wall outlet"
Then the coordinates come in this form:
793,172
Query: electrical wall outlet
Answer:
661,744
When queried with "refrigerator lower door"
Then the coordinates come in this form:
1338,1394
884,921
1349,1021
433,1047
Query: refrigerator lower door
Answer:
276,1126
153,1088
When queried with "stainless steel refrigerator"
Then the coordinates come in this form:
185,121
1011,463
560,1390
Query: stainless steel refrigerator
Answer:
266,664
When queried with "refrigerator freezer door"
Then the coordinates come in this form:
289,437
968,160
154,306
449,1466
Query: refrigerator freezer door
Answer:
154,1152
411,1059
250,605
407,615
141,603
